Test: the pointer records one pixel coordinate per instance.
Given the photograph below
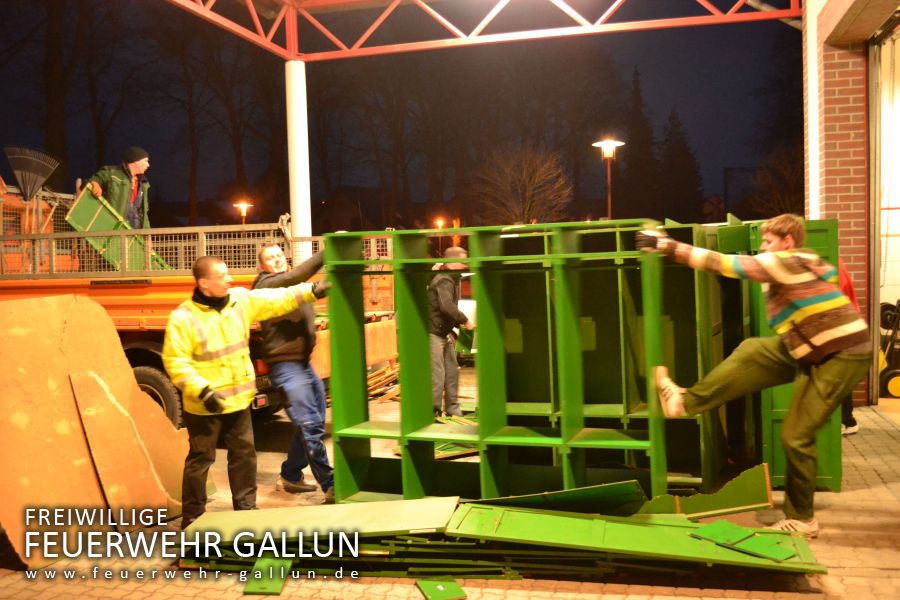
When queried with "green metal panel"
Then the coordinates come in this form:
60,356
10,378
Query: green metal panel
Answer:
620,498
370,519
440,590
267,576
90,214
667,539
652,299
349,395
411,278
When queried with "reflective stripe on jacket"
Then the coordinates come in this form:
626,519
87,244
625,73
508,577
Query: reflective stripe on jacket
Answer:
205,347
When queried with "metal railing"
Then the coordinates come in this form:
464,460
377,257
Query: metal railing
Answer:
138,252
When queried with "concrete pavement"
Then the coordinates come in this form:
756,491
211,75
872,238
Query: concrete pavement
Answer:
859,543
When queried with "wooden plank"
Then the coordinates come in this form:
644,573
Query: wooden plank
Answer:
45,459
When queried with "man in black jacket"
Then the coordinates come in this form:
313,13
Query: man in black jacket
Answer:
288,343
444,315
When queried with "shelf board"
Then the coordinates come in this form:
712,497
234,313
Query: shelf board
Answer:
621,439
445,432
389,430
529,409
525,436
604,410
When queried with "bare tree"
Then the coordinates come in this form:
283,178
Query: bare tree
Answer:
522,186
714,210
62,55
110,73
778,186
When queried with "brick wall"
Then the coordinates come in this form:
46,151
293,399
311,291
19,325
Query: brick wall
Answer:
843,148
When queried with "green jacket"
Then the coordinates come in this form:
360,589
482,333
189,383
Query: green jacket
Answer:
116,183
205,347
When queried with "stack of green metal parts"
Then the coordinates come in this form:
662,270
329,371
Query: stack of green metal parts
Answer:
508,538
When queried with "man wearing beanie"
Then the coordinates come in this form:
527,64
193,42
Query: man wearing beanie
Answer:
125,187
443,316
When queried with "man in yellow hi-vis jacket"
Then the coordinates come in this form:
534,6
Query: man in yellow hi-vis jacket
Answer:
207,356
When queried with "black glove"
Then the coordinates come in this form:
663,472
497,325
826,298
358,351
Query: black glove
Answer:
320,288
212,400
651,240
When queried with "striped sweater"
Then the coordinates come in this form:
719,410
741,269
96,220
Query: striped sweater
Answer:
803,302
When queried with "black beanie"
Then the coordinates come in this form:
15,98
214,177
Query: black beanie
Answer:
135,154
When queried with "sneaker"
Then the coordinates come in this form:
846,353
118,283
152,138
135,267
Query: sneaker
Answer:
808,528
849,429
671,396
283,485
329,496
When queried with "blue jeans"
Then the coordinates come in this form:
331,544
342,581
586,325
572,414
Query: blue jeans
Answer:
306,408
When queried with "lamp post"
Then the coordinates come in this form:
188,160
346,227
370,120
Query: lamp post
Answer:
439,223
243,205
608,152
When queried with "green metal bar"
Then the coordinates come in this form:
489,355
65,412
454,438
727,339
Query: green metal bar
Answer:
490,365
651,289
349,395
411,306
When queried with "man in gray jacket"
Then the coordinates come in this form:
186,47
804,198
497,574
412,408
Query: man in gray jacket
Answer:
288,343
444,315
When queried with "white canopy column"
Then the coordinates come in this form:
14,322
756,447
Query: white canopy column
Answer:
298,156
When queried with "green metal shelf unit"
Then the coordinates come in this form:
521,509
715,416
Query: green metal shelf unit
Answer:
570,320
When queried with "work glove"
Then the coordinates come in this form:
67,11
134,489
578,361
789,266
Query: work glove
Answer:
212,401
96,191
320,288
651,240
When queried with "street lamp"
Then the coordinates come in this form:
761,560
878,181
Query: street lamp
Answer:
243,205
608,151
439,223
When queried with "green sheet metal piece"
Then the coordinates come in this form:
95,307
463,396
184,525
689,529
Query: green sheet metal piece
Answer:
722,532
744,539
440,590
668,539
268,576
750,490
765,547
369,519
89,214
620,498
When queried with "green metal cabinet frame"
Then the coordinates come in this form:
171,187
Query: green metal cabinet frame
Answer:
570,323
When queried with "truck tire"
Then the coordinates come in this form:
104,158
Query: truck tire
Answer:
158,386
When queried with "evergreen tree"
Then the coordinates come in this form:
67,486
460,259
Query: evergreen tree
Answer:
636,190
682,187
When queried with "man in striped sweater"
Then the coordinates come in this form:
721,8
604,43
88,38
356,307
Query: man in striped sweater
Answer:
822,347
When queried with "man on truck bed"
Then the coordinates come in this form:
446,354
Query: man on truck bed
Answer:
125,187
287,346
206,353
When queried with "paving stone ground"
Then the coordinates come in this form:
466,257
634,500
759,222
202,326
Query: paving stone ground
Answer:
859,544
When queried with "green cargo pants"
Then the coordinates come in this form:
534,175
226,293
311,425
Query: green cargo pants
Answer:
760,363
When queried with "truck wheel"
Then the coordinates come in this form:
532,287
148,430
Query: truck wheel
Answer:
158,386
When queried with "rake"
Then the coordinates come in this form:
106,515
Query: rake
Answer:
31,169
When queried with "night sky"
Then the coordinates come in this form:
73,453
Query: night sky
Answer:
712,76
